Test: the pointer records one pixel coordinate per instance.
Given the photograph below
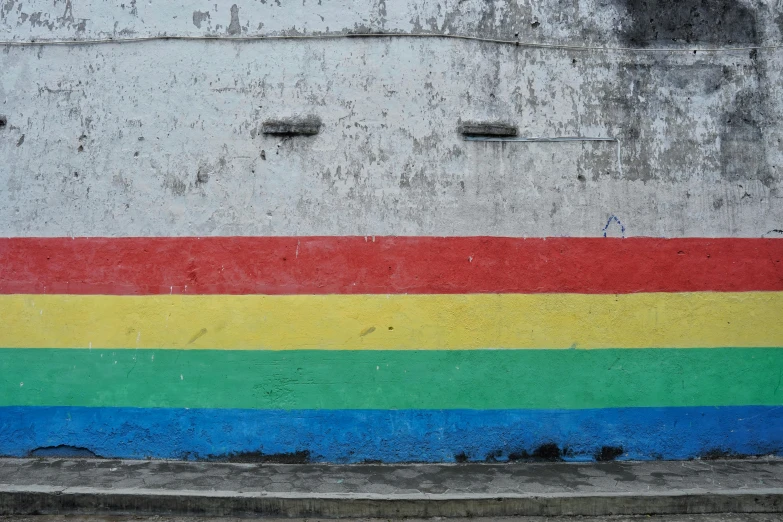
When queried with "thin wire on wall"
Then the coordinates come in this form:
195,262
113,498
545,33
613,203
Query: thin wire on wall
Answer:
516,43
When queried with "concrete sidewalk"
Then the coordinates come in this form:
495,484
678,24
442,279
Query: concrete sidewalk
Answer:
57,486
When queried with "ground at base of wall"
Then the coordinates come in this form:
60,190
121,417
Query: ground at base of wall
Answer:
59,486
722,517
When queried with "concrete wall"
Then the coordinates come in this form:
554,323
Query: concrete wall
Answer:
138,127
98,135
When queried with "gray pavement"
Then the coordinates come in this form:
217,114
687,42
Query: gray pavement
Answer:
720,517
83,486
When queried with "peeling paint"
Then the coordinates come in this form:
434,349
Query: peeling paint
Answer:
234,27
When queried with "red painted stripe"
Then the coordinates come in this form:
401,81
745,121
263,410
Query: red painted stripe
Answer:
352,265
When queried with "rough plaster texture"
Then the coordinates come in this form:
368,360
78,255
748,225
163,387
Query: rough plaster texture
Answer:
164,137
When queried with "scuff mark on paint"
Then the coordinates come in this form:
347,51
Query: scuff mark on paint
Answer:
367,331
199,334
132,367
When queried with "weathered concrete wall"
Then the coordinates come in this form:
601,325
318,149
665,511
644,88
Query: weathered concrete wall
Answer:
151,120
161,138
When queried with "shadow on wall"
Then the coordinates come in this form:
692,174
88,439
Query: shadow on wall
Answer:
717,22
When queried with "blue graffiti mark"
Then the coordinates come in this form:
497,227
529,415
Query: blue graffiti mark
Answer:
609,222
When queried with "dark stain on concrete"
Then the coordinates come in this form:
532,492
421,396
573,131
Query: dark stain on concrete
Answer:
404,181
175,185
715,22
496,19
461,457
655,89
199,17
743,150
620,472
202,176
234,28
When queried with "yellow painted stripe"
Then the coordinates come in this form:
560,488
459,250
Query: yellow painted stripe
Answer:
656,320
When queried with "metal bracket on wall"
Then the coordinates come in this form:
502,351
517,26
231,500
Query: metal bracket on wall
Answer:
555,139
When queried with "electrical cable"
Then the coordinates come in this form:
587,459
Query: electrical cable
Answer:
515,43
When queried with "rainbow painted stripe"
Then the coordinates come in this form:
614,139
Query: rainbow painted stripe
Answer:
393,349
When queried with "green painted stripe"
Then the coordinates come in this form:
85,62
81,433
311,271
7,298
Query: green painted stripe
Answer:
313,379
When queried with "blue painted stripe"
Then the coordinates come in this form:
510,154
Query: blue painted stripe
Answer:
391,435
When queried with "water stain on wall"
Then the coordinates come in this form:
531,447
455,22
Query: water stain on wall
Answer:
234,28
717,22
